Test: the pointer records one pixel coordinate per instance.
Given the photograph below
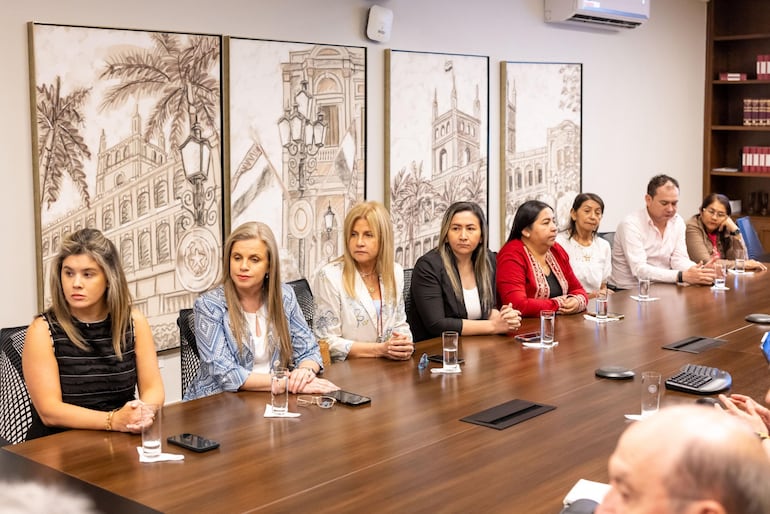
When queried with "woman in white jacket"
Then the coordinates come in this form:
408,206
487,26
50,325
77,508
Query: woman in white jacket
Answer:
358,297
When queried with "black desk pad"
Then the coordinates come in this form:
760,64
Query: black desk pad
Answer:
508,414
694,344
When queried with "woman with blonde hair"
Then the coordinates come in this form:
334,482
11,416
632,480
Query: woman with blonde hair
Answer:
87,354
252,323
359,296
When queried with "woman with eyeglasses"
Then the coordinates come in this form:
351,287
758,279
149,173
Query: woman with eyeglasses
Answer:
712,232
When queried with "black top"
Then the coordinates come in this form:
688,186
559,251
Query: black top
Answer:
435,308
94,379
554,286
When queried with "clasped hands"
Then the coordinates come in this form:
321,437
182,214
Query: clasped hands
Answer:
398,347
507,319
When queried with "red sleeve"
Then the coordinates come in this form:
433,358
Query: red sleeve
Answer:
516,283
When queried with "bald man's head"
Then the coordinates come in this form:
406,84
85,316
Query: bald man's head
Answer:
688,459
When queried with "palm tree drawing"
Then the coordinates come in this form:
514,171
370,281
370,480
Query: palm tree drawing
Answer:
61,146
178,75
413,200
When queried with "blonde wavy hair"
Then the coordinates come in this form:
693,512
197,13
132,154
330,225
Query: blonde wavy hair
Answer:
271,289
378,219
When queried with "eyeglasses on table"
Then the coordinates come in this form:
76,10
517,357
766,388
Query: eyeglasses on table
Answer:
325,402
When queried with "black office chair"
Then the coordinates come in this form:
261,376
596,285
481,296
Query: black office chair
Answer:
304,298
188,347
15,404
607,236
407,288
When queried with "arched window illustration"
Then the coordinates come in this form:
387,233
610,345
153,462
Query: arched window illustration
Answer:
161,193
46,247
539,175
119,179
91,221
55,243
466,156
145,250
127,254
399,254
125,210
108,220
143,203
529,177
442,160
125,152
519,179
164,242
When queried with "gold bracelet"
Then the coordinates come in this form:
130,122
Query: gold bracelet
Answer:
763,435
108,426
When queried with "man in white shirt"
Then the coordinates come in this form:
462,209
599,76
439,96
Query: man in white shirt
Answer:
650,243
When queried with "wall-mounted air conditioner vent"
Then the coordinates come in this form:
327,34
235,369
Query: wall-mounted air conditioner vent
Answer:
609,14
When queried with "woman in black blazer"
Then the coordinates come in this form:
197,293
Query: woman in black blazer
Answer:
453,286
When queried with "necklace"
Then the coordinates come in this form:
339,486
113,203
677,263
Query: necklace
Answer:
364,275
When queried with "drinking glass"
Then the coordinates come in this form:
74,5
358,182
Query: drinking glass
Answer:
719,276
279,390
449,341
547,327
740,261
651,390
601,304
151,428
644,288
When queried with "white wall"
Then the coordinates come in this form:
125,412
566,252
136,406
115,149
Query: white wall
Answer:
642,92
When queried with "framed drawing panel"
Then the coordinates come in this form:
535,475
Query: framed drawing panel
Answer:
126,139
297,120
540,137
436,142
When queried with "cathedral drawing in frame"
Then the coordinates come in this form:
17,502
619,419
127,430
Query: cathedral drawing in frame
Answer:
127,132
540,137
437,143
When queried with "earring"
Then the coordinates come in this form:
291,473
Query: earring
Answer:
267,275
525,234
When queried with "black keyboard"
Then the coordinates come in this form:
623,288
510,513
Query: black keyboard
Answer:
700,380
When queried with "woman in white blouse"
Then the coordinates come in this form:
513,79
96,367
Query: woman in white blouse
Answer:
589,255
358,297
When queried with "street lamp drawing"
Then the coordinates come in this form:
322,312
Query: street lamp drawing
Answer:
196,159
302,138
329,221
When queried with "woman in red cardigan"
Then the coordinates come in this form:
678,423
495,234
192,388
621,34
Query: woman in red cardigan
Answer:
533,271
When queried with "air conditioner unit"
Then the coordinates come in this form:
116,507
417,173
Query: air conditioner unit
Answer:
608,14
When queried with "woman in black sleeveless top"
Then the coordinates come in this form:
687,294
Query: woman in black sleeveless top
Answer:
85,356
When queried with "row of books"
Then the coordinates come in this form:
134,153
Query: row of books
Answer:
755,159
763,67
756,112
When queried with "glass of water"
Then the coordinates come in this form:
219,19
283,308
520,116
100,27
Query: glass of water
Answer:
719,276
740,261
601,304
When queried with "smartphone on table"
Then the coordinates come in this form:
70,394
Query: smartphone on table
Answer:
193,442
528,337
348,398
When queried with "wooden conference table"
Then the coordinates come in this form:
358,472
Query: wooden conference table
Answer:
408,451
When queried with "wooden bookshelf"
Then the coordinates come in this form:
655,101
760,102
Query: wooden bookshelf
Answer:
737,32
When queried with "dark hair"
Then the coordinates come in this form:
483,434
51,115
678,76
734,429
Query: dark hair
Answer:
578,203
481,267
525,216
717,197
658,181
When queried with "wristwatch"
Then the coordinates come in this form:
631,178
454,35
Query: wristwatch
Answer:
735,232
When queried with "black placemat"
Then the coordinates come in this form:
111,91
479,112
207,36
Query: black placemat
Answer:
694,344
508,414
